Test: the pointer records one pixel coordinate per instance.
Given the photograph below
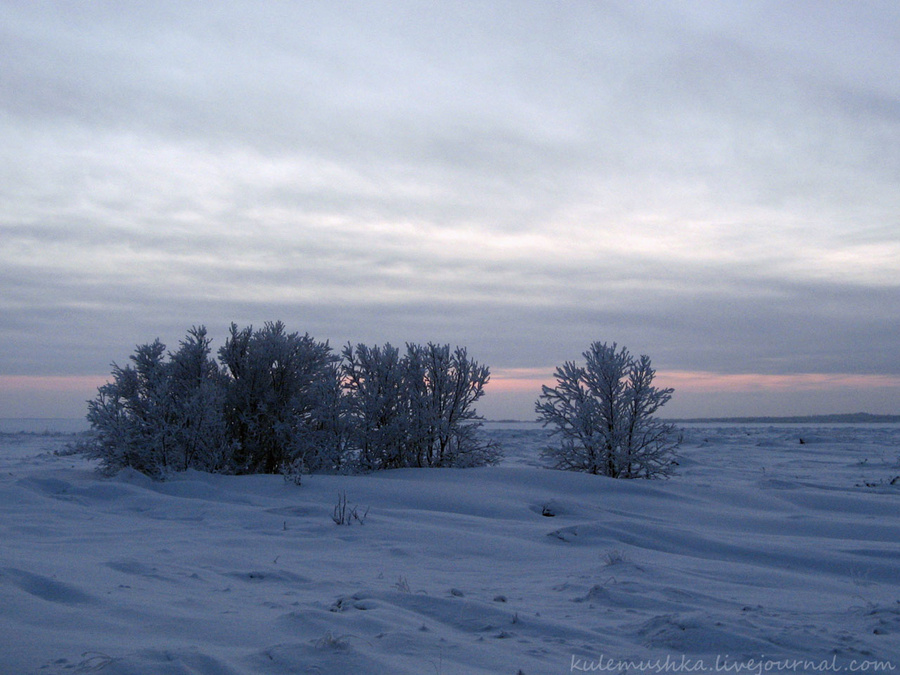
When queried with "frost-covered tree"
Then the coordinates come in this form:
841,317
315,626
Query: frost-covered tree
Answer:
197,392
374,382
324,444
273,394
160,415
442,388
602,414
415,410
128,416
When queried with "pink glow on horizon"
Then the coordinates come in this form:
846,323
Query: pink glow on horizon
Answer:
512,392
517,380
47,395
528,379
51,383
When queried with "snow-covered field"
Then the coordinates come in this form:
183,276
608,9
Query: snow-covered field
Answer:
761,553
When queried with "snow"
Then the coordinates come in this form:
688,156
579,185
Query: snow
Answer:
759,551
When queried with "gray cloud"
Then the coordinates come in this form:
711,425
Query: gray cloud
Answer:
711,183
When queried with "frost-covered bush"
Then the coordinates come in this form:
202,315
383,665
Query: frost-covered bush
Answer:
415,410
324,444
374,382
443,387
602,414
160,415
274,395
198,400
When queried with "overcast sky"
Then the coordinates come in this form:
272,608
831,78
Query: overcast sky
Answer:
714,184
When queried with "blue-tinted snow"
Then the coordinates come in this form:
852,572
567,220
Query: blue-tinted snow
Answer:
761,547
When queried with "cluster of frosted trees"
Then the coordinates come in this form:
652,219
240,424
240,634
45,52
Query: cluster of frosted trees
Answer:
282,402
277,401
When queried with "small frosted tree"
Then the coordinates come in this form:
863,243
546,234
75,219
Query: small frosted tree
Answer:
128,417
159,415
273,394
602,414
324,444
442,388
415,409
374,383
197,398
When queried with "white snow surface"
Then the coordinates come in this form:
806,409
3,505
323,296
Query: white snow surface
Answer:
761,552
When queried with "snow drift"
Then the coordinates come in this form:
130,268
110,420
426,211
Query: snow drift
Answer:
761,549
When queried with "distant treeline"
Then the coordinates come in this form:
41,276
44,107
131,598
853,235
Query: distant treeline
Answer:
846,418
